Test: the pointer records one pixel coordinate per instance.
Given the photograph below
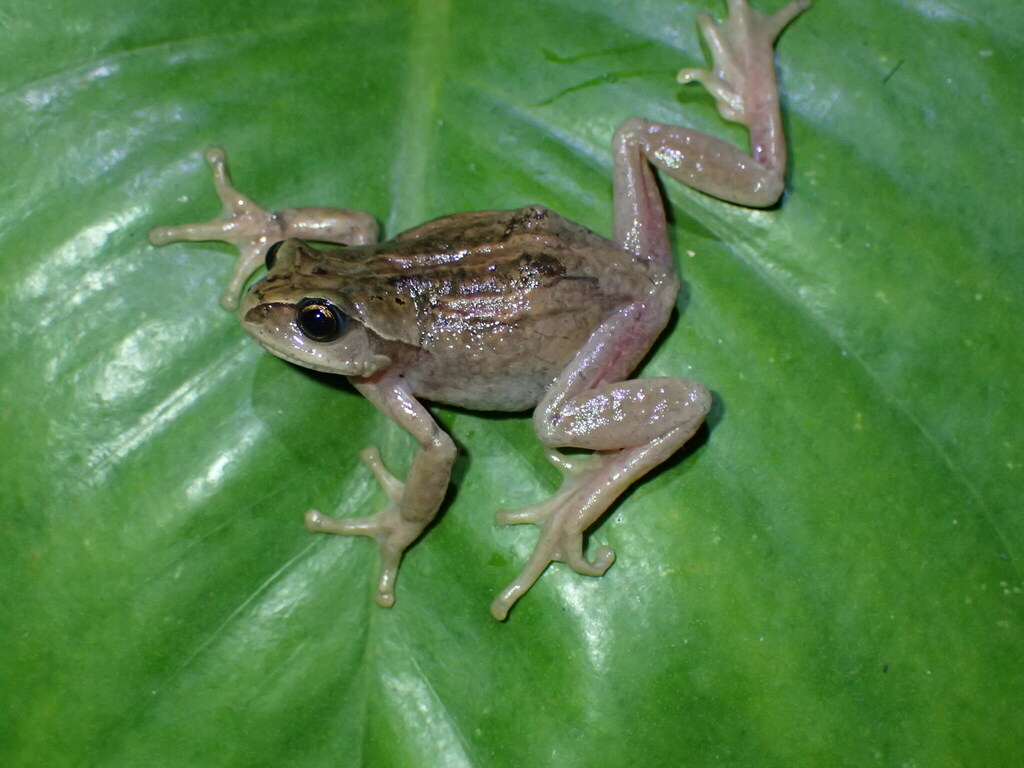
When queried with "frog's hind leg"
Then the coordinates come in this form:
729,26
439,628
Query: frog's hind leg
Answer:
743,84
253,229
632,426
658,417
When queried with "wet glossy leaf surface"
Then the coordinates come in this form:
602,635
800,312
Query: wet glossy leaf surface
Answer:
829,575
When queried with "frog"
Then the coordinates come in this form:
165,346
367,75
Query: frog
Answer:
511,310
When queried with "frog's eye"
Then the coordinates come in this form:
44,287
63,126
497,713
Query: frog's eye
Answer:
319,320
272,254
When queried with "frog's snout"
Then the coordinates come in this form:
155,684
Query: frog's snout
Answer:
253,312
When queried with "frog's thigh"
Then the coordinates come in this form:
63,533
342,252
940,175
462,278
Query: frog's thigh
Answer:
696,159
701,161
600,368
626,414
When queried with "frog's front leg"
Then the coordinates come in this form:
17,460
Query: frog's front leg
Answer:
252,229
412,505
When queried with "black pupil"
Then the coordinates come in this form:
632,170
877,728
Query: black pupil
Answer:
318,319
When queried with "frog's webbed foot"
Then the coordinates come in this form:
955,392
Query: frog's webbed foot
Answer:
392,532
742,58
562,519
248,226
253,229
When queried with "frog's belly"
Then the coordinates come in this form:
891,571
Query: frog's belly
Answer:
501,368
487,394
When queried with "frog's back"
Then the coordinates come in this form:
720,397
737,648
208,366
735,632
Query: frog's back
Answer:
489,305
464,243
471,229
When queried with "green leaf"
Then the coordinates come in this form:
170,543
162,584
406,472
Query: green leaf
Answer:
830,575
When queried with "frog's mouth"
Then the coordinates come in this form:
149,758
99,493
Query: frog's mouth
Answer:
272,325
266,320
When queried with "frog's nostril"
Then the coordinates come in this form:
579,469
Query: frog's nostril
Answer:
272,254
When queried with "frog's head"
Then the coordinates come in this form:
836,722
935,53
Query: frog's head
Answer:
300,313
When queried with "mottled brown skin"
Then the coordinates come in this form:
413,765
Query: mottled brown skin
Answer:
506,298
